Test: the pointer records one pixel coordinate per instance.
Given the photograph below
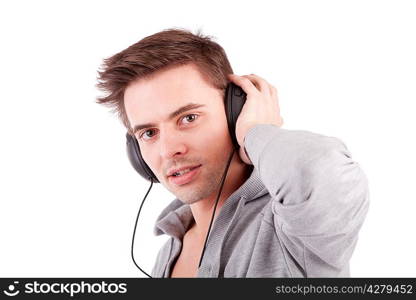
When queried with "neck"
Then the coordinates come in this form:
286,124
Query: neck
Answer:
202,210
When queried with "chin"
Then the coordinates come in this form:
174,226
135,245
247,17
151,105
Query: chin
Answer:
189,201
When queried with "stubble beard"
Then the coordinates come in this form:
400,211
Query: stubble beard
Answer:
203,187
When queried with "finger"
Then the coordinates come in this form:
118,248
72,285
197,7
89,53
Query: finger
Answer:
273,92
244,83
262,85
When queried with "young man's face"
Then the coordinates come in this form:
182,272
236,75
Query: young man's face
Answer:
197,137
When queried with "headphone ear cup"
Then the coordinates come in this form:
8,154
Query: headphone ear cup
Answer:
136,159
235,98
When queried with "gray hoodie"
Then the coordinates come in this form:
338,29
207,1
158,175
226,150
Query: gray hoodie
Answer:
297,215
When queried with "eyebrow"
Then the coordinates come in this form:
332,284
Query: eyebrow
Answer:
172,115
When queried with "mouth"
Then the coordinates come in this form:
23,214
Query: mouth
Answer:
184,176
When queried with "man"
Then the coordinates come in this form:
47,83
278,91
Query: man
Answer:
292,202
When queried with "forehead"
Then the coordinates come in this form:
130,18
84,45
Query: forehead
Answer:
165,91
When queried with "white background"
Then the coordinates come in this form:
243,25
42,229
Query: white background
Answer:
68,196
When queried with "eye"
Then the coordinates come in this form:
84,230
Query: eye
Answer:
190,118
147,134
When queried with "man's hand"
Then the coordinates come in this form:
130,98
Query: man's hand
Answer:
261,107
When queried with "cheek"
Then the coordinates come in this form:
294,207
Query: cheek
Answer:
150,158
214,136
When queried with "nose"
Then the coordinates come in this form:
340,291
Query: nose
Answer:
172,144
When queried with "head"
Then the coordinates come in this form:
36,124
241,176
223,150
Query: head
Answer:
168,90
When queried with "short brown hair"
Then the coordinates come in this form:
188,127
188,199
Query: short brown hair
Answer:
170,47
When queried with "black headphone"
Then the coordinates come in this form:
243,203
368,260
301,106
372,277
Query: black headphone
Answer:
234,100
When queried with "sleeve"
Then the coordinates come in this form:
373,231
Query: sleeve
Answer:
320,195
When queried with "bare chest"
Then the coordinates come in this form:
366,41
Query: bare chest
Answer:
186,264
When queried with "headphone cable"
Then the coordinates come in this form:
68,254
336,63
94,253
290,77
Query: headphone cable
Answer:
215,206
210,224
135,226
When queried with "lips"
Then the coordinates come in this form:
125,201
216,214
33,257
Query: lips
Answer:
181,171
186,177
